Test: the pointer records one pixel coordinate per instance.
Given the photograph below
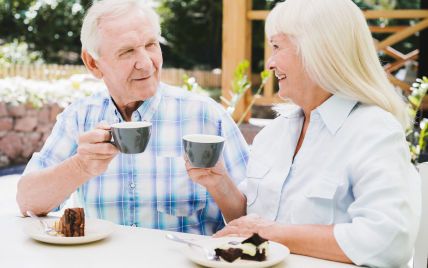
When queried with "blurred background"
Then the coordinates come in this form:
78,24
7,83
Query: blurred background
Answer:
41,71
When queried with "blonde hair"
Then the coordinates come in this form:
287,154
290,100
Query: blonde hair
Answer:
337,50
89,35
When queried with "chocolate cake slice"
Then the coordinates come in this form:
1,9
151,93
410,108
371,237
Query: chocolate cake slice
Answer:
253,248
72,223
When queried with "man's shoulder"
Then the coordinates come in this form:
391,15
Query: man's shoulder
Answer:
96,100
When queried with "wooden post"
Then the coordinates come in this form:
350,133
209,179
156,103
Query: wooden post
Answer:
268,90
236,47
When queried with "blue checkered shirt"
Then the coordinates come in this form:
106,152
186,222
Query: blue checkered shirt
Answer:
151,189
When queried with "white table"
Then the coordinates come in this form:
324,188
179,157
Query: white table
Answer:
126,247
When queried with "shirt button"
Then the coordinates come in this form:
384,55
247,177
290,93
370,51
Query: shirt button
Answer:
133,225
132,185
135,117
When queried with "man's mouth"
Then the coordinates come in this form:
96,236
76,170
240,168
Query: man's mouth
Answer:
280,76
142,78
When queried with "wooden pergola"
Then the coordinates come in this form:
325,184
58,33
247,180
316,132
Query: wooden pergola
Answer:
237,24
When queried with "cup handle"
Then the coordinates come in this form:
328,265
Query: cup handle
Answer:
111,141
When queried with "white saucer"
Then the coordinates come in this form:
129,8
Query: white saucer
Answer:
276,253
95,229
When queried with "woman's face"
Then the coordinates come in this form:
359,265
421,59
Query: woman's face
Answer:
294,82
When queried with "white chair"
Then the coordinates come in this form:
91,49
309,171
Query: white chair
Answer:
421,246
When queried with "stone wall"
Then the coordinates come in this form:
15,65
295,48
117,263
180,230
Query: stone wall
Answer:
23,130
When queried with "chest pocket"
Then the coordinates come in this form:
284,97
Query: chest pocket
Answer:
317,205
177,194
256,172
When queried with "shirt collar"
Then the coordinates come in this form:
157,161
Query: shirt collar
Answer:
289,110
334,111
146,109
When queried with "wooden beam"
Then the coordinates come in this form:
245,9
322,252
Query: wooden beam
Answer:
396,14
397,82
387,29
392,52
236,46
397,37
369,14
391,67
257,14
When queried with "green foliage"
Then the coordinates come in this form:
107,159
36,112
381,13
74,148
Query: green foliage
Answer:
417,134
18,53
50,27
190,84
240,83
264,75
192,32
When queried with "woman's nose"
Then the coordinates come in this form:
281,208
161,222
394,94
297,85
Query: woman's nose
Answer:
270,64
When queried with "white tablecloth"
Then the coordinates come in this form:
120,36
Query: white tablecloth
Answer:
126,247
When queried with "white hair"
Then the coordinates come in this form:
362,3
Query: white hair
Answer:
89,35
337,50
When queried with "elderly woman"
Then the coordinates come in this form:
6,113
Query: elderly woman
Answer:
331,176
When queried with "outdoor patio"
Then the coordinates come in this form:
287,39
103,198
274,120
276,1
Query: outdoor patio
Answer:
224,58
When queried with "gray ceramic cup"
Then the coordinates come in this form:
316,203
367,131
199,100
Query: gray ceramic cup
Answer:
203,151
131,137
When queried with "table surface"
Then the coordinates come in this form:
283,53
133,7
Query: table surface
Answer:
126,247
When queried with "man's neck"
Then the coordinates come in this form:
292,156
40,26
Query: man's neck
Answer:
128,109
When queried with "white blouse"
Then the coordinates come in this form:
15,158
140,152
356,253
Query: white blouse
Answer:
353,170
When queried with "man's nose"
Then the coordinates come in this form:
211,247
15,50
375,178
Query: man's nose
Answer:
143,60
270,64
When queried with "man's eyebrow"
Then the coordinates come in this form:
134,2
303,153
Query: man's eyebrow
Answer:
153,40
123,48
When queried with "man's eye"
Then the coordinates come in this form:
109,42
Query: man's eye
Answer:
275,47
153,44
126,52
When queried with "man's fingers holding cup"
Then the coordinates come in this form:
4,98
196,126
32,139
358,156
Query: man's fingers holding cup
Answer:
98,149
103,125
95,136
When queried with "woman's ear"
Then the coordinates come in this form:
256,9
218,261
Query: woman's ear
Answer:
91,64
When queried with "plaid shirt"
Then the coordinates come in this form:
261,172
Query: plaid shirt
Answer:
151,189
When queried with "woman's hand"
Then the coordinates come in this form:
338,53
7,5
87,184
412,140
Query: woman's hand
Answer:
208,177
245,226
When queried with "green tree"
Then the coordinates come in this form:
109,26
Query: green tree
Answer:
50,27
192,33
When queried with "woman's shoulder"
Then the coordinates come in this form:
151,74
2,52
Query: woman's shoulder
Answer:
373,118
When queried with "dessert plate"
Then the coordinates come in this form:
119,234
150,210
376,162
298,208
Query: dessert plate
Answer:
95,229
276,253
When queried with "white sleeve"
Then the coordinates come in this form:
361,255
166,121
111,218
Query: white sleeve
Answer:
386,211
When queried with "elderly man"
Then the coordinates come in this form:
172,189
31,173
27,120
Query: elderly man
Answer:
120,44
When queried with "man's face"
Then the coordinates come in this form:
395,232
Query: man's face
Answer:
130,57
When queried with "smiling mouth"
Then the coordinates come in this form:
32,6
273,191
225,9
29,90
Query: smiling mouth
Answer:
280,76
142,78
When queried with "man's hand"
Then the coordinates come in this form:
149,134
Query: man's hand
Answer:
95,152
245,226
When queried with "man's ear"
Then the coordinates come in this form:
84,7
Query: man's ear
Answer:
91,64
